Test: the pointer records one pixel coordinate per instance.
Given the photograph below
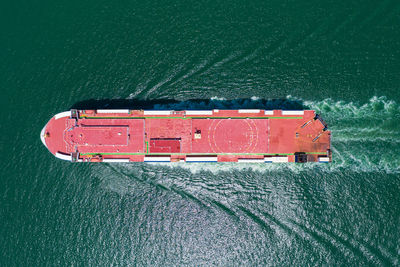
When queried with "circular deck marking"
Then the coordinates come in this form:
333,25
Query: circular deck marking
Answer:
233,136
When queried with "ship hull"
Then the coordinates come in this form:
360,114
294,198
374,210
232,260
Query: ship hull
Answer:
191,136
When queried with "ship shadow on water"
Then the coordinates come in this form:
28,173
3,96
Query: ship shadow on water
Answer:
193,104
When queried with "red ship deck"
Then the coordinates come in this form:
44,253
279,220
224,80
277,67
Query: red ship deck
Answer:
217,135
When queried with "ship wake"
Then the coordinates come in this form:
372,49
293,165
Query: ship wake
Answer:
365,136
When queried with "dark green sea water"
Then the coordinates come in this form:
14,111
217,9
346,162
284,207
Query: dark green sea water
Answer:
341,58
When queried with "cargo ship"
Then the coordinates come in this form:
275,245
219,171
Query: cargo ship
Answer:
242,135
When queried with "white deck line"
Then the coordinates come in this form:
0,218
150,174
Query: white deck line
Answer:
201,159
292,112
115,160
157,112
250,160
276,159
157,159
268,112
63,156
249,110
126,111
63,114
199,112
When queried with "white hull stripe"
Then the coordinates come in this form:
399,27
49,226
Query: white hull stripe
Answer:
157,159
199,112
157,112
115,160
292,112
201,159
249,111
62,115
125,111
63,156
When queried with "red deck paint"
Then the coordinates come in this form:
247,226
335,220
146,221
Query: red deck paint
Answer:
165,145
232,135
98,136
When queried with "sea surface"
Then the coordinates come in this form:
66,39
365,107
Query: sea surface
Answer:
341,58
